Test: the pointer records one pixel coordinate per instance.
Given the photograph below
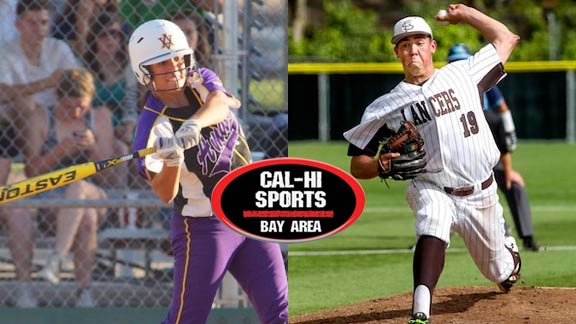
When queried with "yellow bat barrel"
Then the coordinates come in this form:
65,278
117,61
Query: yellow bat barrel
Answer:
45,182
62,177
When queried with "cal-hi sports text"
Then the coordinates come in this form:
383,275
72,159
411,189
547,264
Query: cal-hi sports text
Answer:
290,198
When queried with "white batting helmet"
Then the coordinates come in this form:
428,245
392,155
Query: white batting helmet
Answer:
156,41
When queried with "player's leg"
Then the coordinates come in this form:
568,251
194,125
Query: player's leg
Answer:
202,247
86,243
18,220
427,267
84,251
5,165
68,222
69,219
259,269
482,229
517,200
21,232
433,210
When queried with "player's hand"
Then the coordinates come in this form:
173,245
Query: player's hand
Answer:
52,80
513,177
124,131
409,165
454,15
189,134
169,151
385,161
81,140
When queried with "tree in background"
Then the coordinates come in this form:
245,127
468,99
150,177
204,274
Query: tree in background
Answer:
360,30
347,33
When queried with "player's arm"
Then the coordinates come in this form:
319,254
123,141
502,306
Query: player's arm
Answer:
165,184
364,163
162,169
497,103
214,110
501,107
103,144
103,133
500,137
494,31
368,167
36,131
11,92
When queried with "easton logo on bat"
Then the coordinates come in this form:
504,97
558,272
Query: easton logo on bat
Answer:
10,192
62,177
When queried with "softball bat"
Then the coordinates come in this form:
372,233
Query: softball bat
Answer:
62,177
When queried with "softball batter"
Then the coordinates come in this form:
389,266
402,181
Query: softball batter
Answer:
208,144
458,192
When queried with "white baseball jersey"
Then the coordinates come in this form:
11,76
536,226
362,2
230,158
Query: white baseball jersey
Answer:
460,151
450,100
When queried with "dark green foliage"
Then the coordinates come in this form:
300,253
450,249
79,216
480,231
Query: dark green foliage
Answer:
349,33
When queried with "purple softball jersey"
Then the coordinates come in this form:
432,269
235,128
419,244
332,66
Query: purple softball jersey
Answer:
203,247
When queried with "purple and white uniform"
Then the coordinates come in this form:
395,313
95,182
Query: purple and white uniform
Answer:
458,161
203,247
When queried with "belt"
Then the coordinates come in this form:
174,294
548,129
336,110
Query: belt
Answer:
466,191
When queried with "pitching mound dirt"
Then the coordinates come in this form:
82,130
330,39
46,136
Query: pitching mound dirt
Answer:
461,305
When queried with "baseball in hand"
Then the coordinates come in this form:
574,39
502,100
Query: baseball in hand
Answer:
442,14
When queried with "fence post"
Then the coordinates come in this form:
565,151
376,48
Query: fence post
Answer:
323,107
570,107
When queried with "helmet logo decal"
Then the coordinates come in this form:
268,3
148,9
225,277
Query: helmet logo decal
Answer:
166,41
407,25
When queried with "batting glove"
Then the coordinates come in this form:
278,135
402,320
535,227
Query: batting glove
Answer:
189,134
169,151
510,129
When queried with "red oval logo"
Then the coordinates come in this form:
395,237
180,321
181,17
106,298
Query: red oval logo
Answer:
288,200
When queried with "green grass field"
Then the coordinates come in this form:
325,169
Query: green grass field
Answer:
361,271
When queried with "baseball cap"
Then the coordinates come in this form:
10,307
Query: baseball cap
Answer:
410,26
458,52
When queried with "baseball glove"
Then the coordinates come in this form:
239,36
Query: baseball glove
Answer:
409,143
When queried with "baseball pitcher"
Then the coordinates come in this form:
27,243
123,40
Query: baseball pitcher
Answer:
455,189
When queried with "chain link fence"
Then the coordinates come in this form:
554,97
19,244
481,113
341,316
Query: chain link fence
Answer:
104,241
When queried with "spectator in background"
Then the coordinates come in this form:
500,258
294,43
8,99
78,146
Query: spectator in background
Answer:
116,86
68,133
30,66
33,63
73,24
137,11
196,31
